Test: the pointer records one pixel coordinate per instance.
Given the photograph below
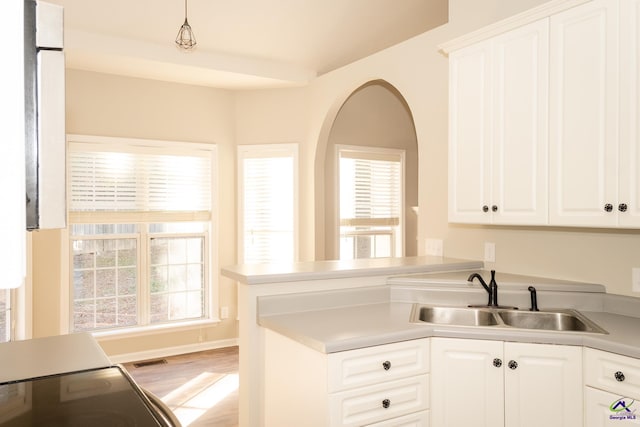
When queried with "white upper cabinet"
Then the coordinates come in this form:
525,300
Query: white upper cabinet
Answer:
583,115
595,92
498,129
629,164
545,118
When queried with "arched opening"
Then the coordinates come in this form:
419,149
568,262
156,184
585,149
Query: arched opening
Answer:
374,116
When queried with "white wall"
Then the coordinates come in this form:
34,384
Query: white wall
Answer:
109,105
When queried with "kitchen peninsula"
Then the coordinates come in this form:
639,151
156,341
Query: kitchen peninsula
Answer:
261,280
306,334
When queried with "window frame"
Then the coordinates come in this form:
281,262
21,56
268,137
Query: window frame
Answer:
210,314
373,152
253,151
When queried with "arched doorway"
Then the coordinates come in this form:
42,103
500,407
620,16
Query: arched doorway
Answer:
375,115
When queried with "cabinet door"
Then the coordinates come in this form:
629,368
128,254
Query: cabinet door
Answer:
498,135
466,388
630,113
520,136
604,409
470,134
583,115
543,385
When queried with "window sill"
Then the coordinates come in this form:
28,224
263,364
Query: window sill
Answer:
136,331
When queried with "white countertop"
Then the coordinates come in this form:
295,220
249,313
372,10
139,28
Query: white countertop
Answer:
374,316
49,356
257,274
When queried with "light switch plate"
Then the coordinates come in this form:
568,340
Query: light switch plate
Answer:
489,252
434,247
635,279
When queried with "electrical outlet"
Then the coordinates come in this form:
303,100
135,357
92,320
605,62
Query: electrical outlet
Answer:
434,247
635,279
224,312
489,252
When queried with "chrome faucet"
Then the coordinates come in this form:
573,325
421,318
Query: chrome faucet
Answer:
491,288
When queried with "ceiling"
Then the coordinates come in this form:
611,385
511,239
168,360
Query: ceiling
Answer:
241,43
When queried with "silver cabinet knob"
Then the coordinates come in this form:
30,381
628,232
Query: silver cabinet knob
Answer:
386,403
608,207
497,362
622,207
619,376
512,364
386,365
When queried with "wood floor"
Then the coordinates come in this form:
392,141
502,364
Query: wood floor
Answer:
201,388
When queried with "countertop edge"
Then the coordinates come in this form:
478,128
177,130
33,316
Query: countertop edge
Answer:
323,270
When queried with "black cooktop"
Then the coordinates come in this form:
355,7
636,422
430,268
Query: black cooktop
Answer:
105,397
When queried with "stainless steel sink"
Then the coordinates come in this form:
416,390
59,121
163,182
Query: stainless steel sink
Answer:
454,316
556,320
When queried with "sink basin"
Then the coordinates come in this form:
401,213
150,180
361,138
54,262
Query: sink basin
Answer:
559,320
556,320
455,316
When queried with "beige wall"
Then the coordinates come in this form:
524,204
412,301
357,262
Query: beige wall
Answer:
375,115
419,72
118,106
107,105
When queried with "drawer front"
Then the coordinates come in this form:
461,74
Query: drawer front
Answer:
612,372
419,419
356,368
379,402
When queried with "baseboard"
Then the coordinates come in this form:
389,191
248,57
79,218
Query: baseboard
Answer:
172,351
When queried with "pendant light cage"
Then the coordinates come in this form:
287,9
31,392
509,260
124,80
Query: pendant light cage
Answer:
185,39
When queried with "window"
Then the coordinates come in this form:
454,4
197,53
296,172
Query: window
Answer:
140,238
371,187
5,315
267,176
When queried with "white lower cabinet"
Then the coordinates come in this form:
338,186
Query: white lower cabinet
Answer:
495,383
612,389
386,385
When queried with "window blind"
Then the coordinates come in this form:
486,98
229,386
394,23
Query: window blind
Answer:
104,181
370,189
268,197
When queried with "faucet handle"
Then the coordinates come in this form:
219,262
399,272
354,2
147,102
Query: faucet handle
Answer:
534,299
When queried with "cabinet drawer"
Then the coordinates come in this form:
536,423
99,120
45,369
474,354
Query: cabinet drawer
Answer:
356,368
379,402
601,367
419,419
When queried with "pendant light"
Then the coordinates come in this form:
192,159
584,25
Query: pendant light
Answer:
185,39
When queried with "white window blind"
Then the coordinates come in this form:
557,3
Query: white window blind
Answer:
370,188
133,181
268,188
